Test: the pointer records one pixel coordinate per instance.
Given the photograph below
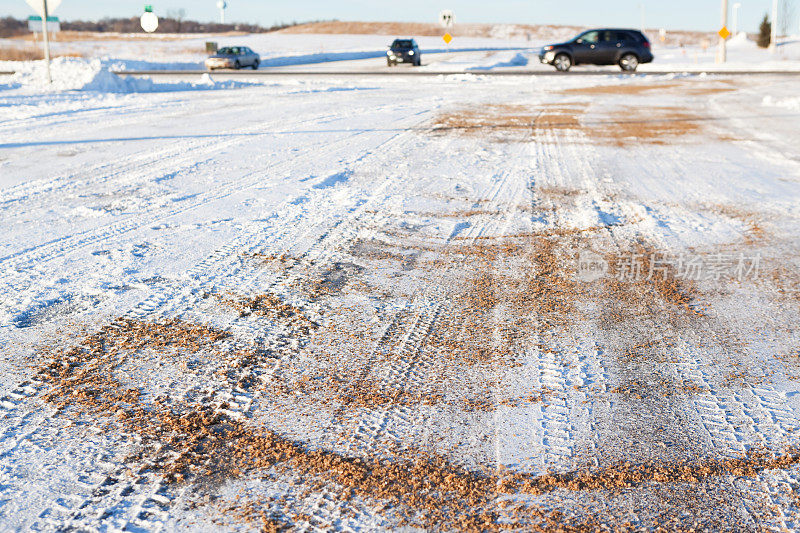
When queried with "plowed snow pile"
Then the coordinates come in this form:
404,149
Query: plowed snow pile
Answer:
71,74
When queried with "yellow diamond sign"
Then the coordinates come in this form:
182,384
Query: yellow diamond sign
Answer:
447,38
724,33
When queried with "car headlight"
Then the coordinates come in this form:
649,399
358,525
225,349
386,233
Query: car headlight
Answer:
546,48
388,52
411,53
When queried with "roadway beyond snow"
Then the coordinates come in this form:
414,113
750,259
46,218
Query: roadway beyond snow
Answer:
441,303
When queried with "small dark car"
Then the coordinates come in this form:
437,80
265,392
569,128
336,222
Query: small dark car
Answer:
626,48
234,57
404,51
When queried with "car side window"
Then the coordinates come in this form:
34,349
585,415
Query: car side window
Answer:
608,36
624,37
590,37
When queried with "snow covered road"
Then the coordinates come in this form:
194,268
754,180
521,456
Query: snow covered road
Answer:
458,302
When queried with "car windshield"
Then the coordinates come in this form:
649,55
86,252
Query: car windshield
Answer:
588,37
230,51
402,44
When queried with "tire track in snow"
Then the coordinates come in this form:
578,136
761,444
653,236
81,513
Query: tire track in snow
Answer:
148,163
16,285
566,370
236,401
149,491
410,366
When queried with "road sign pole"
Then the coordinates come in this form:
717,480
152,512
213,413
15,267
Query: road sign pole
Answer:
736,7
447,20
773,37
46,42
722,52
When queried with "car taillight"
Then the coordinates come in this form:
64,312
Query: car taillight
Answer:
646,44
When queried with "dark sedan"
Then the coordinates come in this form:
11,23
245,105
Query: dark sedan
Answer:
626,48
404,51
234,57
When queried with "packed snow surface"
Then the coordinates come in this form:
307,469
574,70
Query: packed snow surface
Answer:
374,303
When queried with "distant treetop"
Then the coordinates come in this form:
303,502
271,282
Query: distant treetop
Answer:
10,26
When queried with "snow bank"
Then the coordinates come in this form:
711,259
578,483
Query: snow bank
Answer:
786,103
68,74
72,74
741,40
106,82
519,60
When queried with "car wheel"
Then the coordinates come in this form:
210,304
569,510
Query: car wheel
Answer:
418,62
255,65
562,62
628,62
237,66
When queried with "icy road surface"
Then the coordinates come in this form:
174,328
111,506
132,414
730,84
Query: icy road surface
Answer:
443,303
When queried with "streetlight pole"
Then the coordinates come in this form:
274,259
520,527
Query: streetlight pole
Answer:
46,42
641,6
736,7
773,38
722,51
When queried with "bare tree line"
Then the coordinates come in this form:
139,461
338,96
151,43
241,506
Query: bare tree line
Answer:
174,22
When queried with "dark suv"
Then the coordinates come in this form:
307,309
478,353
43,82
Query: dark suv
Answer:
403,51
626,48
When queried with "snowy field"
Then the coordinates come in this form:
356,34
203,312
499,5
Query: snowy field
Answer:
377,303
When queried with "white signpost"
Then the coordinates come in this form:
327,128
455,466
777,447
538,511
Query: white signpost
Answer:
149,20
44,8
222,5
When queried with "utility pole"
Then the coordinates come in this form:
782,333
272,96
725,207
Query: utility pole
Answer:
722,51
773,39
47,41
736,7
641,24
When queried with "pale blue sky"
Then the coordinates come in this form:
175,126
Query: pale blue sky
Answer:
670,14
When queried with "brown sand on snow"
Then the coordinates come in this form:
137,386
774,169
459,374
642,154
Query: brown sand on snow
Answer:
533,274
203,444
428,492
636,125
505,123
686,87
